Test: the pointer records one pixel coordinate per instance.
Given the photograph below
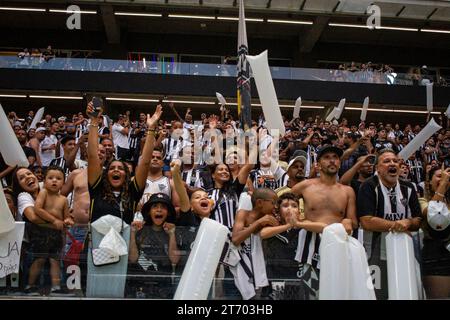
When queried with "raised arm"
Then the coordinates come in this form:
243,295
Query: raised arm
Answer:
94,164
144,163
185,205
350,173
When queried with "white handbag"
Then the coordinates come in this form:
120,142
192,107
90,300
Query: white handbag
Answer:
103,257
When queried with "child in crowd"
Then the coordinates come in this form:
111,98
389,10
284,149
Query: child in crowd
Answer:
47,242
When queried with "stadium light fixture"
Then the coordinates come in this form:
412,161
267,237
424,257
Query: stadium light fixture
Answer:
23,9
435,31
137,14
289,21
70,11
56,97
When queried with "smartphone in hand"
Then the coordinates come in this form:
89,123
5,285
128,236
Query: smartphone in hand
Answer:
98,106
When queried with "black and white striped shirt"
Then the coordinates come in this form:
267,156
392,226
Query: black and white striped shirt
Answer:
226,203
261,179
81,129
171,148
133,140
61,162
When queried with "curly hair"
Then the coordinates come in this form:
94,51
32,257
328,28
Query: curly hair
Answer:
107,192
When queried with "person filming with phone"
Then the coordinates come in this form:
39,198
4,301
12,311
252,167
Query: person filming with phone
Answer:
362,170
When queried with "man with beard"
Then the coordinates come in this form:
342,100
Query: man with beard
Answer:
386,204
326,202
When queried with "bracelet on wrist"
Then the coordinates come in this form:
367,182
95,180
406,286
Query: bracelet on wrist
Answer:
439,194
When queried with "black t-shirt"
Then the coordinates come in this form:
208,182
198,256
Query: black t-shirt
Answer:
355,184
101,207
153,248
188,219
279,254
371,202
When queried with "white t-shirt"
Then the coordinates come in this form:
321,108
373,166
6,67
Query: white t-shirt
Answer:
119,139
48,155
24,200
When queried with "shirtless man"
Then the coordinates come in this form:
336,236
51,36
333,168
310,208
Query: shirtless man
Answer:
77,184
326,200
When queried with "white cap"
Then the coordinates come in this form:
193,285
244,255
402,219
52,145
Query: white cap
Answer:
62,118
40,129
438,215
298,158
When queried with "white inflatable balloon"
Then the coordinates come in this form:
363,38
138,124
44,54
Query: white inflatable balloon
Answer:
10,147
340,107
266,92
221,99
298,104
447,112
419,140
332,114
7,222
201,266
344,271
37,117
401,267
429,88
361,285
334,271
364,109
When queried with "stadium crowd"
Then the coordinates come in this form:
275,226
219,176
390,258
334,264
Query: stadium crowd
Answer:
163,176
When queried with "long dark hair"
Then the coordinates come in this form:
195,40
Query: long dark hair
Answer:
107,192
16,187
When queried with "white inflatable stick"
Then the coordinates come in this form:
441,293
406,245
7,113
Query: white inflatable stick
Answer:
334,271
447,112
401,267
298,104
364,109
429,87
7,222
266,92
361,286
10,147
221,99
419,140
340,107
332,114
37,117
200,268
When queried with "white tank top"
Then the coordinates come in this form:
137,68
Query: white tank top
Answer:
160,185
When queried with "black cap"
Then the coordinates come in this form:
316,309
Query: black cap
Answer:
327,149
158,198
